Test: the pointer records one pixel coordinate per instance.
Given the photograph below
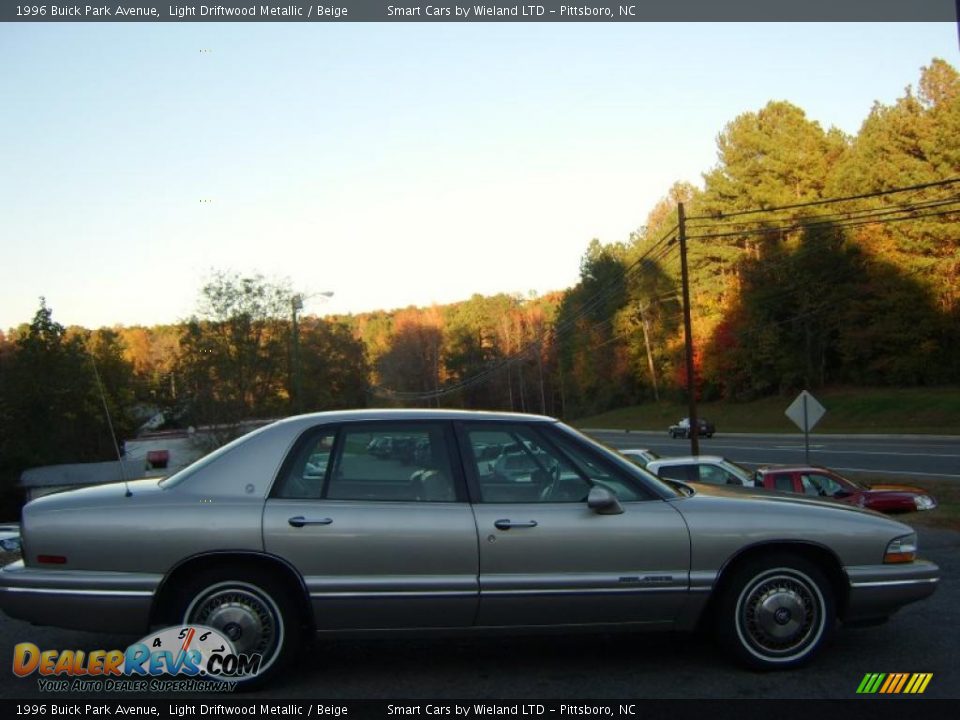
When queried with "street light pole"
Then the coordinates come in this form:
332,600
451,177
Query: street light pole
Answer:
296,303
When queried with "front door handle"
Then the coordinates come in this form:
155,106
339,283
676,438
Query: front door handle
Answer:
299,521
507,524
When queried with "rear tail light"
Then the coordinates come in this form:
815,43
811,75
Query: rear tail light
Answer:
52,559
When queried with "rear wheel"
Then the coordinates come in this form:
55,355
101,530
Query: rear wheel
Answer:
251,608
776,612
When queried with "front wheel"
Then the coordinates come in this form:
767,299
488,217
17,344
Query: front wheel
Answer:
250,608
776,612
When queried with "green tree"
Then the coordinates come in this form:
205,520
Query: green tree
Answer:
234,354
51,407
334,366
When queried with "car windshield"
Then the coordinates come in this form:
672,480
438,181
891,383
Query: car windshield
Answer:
850,481
741,472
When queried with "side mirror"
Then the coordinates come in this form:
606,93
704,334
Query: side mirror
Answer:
842,493
603,502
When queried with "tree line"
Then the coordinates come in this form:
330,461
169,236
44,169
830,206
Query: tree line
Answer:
809,266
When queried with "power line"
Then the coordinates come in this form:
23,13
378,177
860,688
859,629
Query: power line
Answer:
910,212
828,201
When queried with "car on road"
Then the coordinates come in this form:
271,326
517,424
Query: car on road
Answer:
640,456
822,482
682,429
710,469
300,526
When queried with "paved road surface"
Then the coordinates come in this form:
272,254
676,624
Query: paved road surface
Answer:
899,456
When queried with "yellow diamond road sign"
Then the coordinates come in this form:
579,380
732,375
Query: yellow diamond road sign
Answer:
805,411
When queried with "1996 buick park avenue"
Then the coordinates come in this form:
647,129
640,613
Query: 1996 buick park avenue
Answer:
439,520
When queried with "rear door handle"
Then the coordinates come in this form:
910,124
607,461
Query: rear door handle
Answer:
299,521
507,524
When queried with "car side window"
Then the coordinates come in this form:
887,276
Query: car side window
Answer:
597,472
714,475
784,483
676,472
304,474
809,487
826,483
378,462
514,464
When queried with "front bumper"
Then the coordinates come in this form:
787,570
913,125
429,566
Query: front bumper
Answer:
877,591
78,599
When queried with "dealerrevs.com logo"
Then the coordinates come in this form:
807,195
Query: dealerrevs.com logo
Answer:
194,656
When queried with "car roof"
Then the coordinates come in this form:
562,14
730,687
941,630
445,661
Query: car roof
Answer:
416,414
791,468
686,459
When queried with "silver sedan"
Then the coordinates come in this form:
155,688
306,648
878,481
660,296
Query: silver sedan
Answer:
301,526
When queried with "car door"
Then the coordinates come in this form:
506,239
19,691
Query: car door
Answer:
383,537
546,558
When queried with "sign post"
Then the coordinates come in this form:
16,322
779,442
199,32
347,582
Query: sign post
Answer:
805,412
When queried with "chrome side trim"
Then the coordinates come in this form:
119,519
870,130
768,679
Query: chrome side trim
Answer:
60,591
891,583
397,593
588,591
500,593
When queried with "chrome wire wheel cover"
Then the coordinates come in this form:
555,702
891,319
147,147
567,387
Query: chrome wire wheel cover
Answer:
780,615
245,614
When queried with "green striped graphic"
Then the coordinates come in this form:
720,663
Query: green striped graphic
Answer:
864,683
897,683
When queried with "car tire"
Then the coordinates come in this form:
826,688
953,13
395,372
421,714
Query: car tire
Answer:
253,609
776,612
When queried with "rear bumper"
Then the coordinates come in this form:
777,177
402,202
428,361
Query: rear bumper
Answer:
877,591
77,599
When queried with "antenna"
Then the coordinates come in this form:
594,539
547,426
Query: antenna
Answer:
113,435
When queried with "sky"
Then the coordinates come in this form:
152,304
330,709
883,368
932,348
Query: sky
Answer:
390,164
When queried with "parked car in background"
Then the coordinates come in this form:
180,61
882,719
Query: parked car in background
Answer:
10,538
821,482
640,456
682,428
301,526
710,469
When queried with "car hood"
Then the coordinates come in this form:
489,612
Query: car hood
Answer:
772,498
895,488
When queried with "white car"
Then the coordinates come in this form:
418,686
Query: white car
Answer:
710,469
640,456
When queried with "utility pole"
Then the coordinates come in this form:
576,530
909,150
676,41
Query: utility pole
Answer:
688,334
646,341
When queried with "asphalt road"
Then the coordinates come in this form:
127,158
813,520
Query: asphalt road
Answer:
921,638
897,456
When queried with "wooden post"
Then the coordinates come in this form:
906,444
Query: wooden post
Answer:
688,334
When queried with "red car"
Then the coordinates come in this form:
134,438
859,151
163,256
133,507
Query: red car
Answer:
821,482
